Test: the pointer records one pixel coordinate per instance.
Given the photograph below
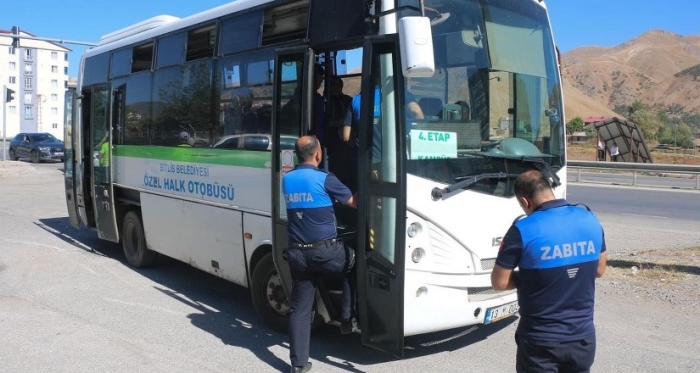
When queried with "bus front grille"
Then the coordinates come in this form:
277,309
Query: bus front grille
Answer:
487,264
486,293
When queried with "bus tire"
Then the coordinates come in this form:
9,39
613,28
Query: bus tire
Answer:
134,242
269,299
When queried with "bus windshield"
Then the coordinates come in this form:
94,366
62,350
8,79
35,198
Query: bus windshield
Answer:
495,92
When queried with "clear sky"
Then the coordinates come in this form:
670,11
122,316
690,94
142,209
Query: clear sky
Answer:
575,23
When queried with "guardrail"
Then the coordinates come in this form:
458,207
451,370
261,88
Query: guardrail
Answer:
635,169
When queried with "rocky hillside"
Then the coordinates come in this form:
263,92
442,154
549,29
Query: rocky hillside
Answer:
657,67
577,104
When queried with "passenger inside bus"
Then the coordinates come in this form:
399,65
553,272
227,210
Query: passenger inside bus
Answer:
413,109
319,115
341,152
431,106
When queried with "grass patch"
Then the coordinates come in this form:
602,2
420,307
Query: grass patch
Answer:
660,266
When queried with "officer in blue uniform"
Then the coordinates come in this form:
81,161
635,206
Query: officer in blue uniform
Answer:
314,250
560,250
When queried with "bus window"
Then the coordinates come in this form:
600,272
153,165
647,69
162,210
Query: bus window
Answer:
138,110
142,58
171,50
240,33
121,63
96,68
200,43
245,97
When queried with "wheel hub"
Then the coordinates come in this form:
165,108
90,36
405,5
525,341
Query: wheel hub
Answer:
276,296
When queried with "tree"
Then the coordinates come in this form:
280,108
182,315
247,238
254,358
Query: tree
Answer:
647,122
677,135
665,135
575,125
684,136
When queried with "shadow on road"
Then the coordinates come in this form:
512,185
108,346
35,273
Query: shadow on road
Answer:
225,311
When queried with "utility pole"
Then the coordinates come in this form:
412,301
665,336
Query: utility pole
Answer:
16,36
675,141
8,96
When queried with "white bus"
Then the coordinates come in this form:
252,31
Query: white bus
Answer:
180,130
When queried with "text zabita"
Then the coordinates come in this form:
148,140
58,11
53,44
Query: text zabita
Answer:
299,197
568,250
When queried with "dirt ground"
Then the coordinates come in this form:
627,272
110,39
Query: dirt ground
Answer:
669,276
587,152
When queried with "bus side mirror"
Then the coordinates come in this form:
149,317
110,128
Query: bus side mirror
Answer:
416,41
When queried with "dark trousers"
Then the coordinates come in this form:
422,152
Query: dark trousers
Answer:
601,155
308,266
569,357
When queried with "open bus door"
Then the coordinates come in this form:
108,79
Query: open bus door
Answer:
71,172
103,119
382,197
291,71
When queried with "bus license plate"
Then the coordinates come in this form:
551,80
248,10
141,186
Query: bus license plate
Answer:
501,312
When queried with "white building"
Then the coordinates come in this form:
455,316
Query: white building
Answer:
38,73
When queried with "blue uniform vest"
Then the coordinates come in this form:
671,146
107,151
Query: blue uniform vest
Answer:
561,245
309,194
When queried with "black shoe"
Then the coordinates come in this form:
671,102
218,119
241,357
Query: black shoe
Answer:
303,369
346,326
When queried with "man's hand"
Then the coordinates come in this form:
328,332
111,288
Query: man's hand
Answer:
503,279
602,264
352,202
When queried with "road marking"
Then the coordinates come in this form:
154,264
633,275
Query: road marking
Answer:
646,216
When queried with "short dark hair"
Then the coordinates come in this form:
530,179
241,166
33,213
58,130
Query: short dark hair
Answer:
530,184
336,79
318,69
306,149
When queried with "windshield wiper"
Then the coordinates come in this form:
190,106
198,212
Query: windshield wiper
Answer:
438,193
539,163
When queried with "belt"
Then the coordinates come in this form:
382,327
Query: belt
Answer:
313,245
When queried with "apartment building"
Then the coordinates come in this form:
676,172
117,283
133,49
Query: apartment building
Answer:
38,73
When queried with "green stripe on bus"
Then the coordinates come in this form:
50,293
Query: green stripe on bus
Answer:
226,157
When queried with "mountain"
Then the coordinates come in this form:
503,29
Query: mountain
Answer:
577,104
657,67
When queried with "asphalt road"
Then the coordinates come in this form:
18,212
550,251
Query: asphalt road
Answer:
642,218
662,204
672,181
69,303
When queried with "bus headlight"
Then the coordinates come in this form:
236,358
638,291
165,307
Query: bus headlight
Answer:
413,230
417,255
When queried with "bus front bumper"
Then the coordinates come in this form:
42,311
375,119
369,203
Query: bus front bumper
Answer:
435,302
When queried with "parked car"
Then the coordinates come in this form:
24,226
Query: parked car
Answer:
253,141
37,147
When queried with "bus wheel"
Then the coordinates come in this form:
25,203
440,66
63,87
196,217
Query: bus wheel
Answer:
134,242
269,299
